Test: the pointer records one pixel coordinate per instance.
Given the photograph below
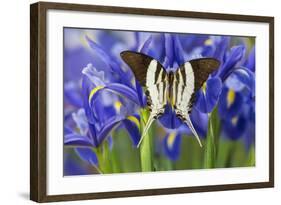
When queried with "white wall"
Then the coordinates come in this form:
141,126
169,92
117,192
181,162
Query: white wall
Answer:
14,103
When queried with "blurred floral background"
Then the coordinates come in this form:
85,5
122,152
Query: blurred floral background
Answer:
105,108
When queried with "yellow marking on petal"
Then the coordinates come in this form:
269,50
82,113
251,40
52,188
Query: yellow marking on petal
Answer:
204,87
230,97
234,120
134,120
208,42
171,139
94,91
83,41
117,106
133,82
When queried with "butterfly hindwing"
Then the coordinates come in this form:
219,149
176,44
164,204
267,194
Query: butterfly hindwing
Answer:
150,74
194,73
180,86
188,79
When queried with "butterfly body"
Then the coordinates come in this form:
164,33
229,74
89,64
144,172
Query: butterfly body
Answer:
177,88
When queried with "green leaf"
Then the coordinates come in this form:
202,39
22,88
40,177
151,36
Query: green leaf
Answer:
103,155
251,157
125,156
191,156
114,160
224,154
146,146
212,140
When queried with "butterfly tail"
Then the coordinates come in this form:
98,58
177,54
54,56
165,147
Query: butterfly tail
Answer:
190,125
146,128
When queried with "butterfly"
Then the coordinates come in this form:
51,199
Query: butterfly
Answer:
177,88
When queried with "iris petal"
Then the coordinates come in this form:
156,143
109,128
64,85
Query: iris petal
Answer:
119,89
229,104
169,119
125,91
235,127
145,47
96,77
87,87
87,155
141,96
107,39
72,94
191,41
115,67
108,127
67,130
221,48
81,121
178,51
251,61
72,167
103,55
172,142
77,140
169,51
157,48
208,98
200,122
245,76
132,124
233,58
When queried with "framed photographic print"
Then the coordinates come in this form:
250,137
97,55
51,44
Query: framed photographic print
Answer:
133,102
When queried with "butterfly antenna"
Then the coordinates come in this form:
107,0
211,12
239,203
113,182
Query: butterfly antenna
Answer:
190,125
146,128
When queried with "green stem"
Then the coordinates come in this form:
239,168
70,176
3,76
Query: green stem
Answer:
103,155
251,158
146,146
212,140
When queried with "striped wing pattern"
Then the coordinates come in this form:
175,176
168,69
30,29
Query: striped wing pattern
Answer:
178,88
188,79
150,73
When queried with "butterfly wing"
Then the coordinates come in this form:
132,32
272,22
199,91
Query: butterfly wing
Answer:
187,80
150,74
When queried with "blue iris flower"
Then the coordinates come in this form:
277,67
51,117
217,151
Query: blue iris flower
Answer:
231,85
109,100
81,138
208,96
124,96
171,142
237,102
109,97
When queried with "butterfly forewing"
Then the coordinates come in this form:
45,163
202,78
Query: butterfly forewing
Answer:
142,66
202,68
182,87
150,74
189,79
